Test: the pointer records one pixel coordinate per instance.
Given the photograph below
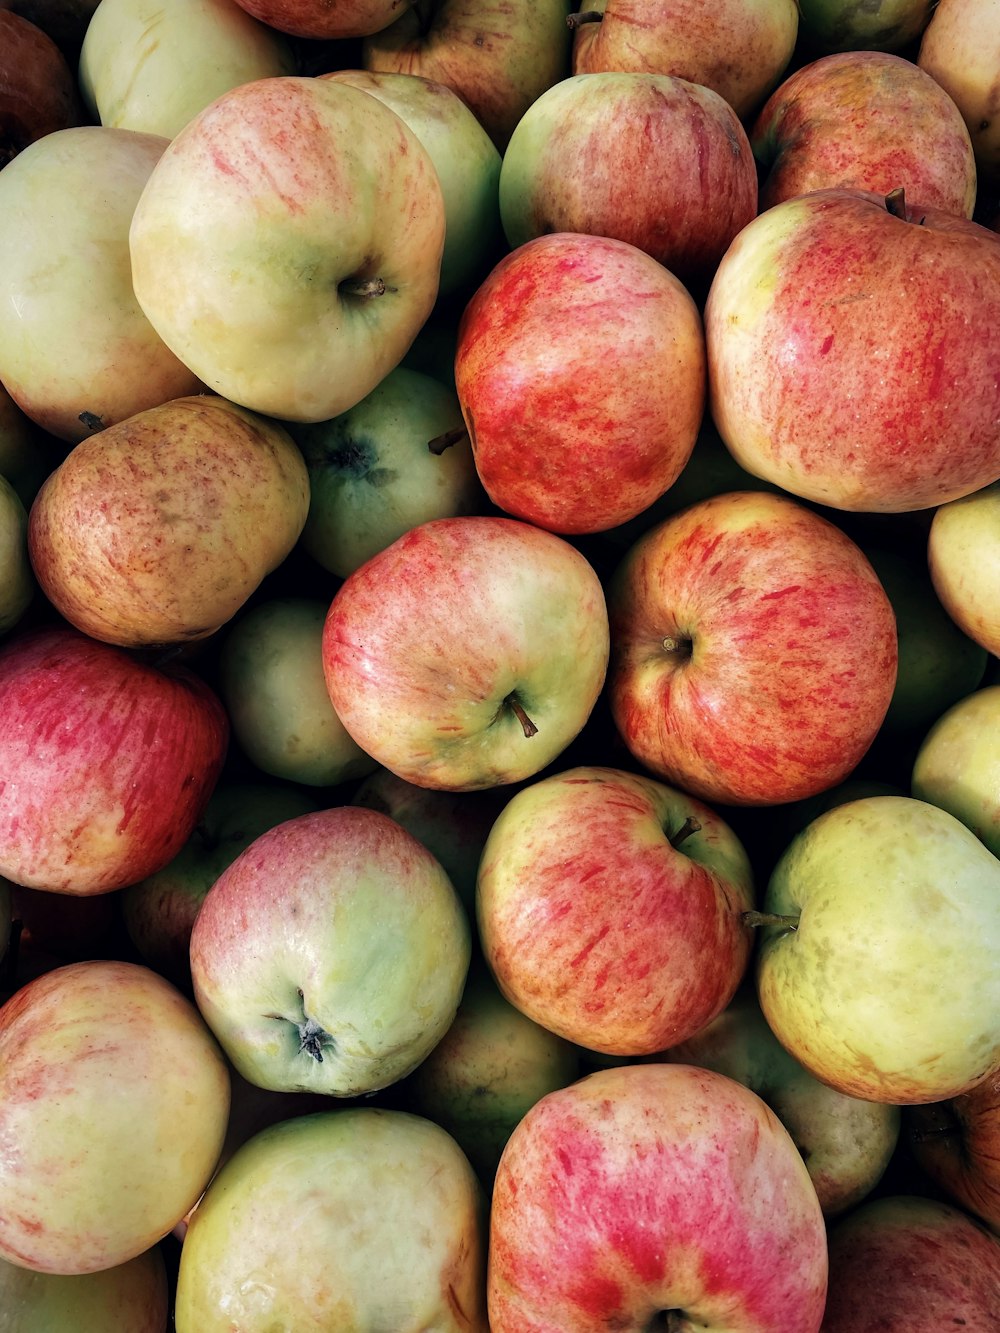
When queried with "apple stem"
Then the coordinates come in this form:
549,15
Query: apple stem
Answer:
363,288
895,202
755,919
515,706
585,16
690,825
440,443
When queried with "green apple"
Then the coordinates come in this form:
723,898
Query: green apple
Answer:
272,683
17,583
131,1297
465,158
487,1071
963,555
879,963
844,25
151,67
159,911
400,457
846,1142
360,1218
957,766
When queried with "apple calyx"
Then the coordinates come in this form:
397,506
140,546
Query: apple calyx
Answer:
445,440
755,919
517,708
690,826
574,21
313,1037
364,289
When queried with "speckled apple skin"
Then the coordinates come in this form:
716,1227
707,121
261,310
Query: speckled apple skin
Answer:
957,1143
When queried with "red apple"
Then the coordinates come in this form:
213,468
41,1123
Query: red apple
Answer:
107,761
867,120
753,650
323,19
469,653
852,349
903,1264
610,909
956,1143
654,1196
38,92
561,436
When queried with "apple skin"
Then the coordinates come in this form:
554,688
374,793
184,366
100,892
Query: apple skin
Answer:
65,21
793,353
740,50
677,178
132,1297
469,653
321,20
648,1189
108,761
90,1180
197,499
159,912
17,582
38,92
398,458
386,1202
486,1073
956,1143
753,650
888,988
330,956
960,49
287,246
846,1143
272,683
828,26
496,56
81,355
466,160
957,766
903,1263
866,120
601,927
152,68
963,556
561,438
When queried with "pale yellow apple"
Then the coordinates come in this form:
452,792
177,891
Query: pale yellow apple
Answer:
960,48
958,764
963,556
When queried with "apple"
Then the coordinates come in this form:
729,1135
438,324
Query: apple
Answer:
654,1196
398,458
867,120
383,1204
676,178
753,650
938,663
957,766
845,1142
157,530
453,826
903,1262
469,653
17,583
159,911
610,909
466,160
272,682
65,21
960,49
740,49
561,437
153,67
487,1071
841,25
496,56
963,556
76,351
331,954
878,963
38,92
852,351
132,1297
955,1144
287,245
325,19
107,761
113,1115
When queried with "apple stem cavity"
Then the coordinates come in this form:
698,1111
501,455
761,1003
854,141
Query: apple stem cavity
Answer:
444,441
517,708
585,16
363,289
755,919
690,826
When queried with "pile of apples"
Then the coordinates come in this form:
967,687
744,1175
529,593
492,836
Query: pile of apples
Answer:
499,703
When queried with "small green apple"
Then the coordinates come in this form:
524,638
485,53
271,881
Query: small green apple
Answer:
845,25
132,1297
